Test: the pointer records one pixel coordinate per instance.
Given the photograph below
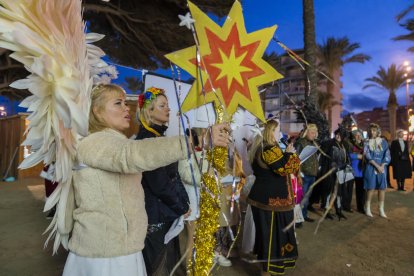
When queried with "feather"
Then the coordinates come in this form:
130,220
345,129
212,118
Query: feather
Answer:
48,38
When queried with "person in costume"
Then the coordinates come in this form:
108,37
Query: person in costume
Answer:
336,156
109,219
377,156
50,186
272,201
400,160
309,168
165,196
356,155
186,175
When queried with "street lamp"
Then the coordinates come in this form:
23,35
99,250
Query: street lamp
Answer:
3,112
407,68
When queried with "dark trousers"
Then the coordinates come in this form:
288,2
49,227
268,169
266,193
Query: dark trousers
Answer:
347,190
160,258
360,193
400,184
307,181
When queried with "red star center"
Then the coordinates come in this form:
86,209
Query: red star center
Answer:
230,65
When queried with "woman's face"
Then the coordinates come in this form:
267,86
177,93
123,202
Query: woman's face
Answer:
311,134
358,137
116,113
160,114
276,133
338,137
374,132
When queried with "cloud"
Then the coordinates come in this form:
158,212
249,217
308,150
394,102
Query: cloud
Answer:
360,102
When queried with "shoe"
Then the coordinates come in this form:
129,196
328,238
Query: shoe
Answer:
381,210
299,225
308,219
221,260
340,215
329,216
51,213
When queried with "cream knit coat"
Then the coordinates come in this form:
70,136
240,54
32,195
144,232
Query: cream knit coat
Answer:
109,215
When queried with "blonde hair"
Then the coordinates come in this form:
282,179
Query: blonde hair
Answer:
310,127
377,127
268,138
99,97
143,114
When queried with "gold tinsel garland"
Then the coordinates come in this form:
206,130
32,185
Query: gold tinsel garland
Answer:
208,222
207,226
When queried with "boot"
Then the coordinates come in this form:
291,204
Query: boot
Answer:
402,185
340,215
367,209
381,209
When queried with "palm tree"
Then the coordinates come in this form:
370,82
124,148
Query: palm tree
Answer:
408,25
333,54
389,79
326,101
311,93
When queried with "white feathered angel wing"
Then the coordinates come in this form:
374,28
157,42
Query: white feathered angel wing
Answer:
47,36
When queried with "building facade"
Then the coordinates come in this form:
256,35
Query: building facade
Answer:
279,98
380,116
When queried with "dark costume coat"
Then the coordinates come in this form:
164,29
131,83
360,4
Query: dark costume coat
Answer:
165,200
400,160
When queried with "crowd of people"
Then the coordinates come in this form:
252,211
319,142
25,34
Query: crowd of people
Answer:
132,195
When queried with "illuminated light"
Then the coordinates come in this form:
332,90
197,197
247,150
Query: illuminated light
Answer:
406,63
408,69
411,122
405,75
2,108
408,80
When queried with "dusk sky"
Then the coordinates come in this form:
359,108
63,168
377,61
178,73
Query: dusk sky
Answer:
368,22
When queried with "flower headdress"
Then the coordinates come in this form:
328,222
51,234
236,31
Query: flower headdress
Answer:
148,96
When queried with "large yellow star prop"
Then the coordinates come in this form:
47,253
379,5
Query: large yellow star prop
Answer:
230,60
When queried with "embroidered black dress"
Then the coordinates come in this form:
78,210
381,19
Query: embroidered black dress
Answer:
272,202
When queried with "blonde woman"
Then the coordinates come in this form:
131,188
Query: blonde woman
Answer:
109,219
377,156
272,201
166,199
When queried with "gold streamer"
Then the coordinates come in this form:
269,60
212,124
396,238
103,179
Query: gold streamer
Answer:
207,226
208,223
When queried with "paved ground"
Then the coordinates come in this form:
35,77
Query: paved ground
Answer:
357,246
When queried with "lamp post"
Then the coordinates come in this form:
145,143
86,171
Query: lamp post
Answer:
407,68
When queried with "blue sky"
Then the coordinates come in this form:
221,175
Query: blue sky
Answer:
368,22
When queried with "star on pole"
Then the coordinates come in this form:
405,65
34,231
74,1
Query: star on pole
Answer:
231,62
186,20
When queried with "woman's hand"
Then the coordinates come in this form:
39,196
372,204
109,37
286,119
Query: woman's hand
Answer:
290,148
186,215
220,135
381,168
